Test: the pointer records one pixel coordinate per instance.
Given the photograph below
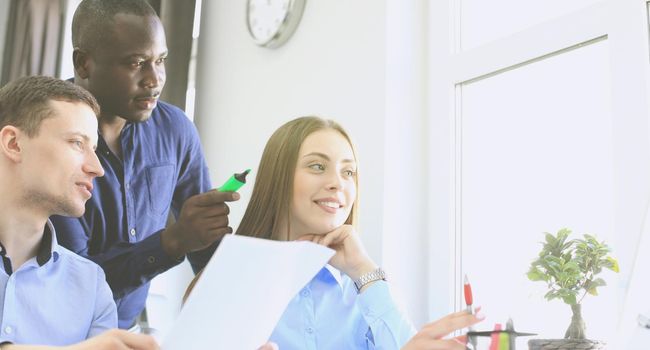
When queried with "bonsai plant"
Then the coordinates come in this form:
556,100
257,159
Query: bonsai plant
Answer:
569,269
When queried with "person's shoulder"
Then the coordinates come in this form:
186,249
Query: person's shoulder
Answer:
169,108
169,111
78,263
168,117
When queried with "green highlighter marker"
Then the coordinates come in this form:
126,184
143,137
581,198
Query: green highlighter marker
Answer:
235,182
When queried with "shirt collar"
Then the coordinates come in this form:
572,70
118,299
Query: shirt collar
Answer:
49,247
332,272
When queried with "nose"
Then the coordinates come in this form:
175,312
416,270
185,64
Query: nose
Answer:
92,166
154,75
334,181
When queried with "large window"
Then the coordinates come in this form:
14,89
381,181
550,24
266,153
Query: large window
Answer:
546,127
529,165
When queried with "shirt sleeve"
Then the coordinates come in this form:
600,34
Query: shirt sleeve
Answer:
126,265
105,315
193,178
389,326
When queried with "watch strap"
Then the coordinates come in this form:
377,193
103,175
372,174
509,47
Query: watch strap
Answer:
374,275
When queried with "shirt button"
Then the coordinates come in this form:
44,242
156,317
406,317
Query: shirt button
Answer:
127,186
132,232
369,312
8,329
151,259
305,293
309,330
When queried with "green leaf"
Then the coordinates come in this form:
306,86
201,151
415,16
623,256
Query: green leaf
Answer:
614,267
570,299
598,282
535,275
550,239
603,250
563,233
571,267
550,295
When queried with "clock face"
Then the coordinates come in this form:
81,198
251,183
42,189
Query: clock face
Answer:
271,22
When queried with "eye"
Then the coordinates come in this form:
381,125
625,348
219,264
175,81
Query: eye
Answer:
349,173
77,143
161,60
317,167
137,64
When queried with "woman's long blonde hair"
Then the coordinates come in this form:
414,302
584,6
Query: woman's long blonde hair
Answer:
273,190
271,198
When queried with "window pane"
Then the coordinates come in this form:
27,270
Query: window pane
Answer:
484,21
536,156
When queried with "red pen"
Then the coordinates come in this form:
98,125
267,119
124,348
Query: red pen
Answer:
469,300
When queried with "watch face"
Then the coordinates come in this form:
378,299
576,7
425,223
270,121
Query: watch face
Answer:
271,22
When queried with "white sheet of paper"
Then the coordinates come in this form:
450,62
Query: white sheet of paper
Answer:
243,292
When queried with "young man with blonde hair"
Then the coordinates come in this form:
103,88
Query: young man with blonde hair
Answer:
50,295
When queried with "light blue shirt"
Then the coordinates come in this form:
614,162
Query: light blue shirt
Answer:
55,298
329,314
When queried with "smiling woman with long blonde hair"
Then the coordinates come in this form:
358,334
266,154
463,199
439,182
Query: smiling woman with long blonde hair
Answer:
270,203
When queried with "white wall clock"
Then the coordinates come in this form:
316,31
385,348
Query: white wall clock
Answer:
272,22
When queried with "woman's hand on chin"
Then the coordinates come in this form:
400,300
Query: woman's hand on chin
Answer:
351,257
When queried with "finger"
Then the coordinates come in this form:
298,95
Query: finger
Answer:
461,339
269,346
214,197
218,233
205,228
212,236
217,209
448,324
205,212
212,221
458,314
447,344
332,238
435,344
461,313
138,341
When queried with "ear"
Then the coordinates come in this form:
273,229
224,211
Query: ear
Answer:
81,61
9,146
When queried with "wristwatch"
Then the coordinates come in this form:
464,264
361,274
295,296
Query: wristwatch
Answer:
375,275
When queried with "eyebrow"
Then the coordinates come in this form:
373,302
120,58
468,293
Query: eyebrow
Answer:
324,156
77,133
142,55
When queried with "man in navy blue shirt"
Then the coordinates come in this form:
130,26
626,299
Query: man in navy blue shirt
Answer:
151,155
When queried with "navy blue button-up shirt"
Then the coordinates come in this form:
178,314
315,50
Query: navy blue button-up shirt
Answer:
162,165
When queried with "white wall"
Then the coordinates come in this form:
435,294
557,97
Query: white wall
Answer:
4,17
67,68
350,61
